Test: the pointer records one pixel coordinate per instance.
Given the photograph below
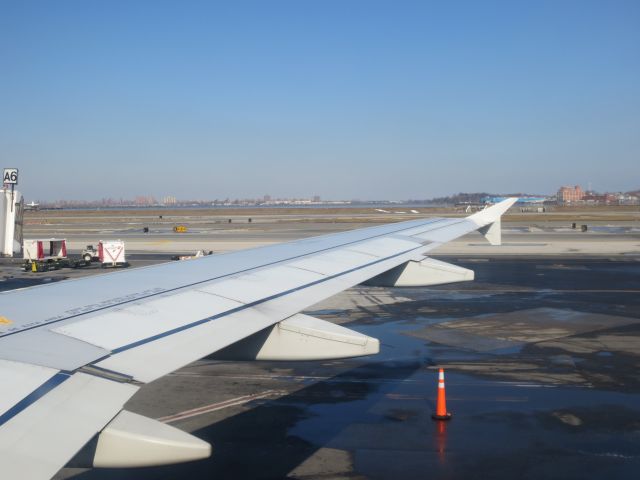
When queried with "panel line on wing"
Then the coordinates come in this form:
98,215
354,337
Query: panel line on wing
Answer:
299,267
34,396
420,230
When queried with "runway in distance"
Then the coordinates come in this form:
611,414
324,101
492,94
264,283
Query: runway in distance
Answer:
72,353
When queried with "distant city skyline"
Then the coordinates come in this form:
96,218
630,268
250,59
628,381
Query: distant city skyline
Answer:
564,194
359,99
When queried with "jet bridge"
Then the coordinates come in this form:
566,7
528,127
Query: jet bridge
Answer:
11,213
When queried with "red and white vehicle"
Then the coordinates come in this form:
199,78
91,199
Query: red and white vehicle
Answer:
45,249
112,254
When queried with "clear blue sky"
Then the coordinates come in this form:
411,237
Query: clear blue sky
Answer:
344,99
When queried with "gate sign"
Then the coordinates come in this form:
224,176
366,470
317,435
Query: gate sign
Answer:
10,176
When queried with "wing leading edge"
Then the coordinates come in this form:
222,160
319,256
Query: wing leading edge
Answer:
80,359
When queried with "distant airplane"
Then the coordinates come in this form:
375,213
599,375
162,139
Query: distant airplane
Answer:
32,206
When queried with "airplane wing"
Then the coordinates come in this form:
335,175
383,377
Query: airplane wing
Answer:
72,353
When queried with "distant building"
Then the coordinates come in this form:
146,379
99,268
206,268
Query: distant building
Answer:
570,194
628,199
604,199
169,200
144,201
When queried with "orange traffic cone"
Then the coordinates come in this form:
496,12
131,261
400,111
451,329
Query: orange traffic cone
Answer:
441,405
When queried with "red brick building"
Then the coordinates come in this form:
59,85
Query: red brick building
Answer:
570,194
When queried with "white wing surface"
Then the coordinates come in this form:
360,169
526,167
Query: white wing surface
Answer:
72,353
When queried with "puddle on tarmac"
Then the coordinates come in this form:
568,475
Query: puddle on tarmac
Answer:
493,419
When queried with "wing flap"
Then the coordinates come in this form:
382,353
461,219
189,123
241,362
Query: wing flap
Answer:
49,349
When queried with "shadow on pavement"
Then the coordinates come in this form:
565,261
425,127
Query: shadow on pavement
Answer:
257,444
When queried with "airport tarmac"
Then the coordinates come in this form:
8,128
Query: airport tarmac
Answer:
542,358
608,233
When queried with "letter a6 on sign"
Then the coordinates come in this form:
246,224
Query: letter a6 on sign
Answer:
10,176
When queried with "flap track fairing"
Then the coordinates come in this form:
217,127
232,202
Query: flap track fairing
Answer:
301,337
425,273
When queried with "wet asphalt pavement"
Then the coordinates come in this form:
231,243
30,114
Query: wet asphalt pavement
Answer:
542,360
